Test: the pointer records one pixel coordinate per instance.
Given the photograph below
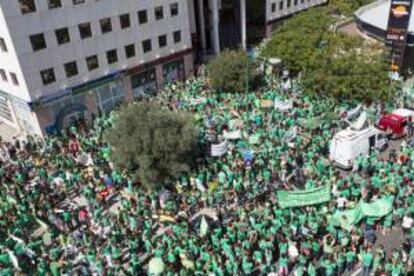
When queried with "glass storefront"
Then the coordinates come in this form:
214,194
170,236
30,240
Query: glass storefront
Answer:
174,70
144,83
110,96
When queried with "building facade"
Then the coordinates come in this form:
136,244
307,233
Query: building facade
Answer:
64,59
61,59
220,24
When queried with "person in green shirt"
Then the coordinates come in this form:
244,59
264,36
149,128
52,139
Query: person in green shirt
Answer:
283,265
367,259
350,257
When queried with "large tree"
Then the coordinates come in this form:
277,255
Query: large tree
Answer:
152,141
335,65
231,71
347,7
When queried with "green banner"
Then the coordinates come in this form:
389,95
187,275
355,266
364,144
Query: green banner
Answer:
305,197
379,208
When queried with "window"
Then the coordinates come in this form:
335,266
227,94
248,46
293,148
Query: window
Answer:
3,46
106,25
62,36
280,5
159,13
71,69
76,2
85,30
162,41
130,50
3,75
174,9
38,42
295,2
142,17
302,1
27,6
112,56
14,78
124,21
288,3
146,45
92,62
48,76
273,7
177,36
54,4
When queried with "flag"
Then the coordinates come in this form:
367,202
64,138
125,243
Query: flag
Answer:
203,227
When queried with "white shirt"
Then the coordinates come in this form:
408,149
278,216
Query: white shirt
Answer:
341,201
407,222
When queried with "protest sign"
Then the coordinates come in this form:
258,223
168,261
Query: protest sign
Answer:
283,105
235,123
304,198
195,101
254,139
219,149
266,103
248,154
232,135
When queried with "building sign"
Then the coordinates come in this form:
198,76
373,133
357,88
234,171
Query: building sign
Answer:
399,19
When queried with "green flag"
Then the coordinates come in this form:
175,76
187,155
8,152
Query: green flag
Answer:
379,208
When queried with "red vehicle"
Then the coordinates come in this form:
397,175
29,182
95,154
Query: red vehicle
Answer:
395,123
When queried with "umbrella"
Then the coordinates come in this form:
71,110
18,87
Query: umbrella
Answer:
209,212
156,266
204,220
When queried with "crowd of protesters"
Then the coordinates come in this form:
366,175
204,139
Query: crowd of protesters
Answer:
66,210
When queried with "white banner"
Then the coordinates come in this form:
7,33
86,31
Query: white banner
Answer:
195,101
235,123
283,105
232,135
219,149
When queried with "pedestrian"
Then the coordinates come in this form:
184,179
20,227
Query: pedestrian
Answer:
367,260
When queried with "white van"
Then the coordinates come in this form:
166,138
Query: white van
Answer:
348,144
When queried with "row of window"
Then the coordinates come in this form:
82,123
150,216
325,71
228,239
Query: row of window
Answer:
85,31
288,4
13,77
28,6
92,62
3,47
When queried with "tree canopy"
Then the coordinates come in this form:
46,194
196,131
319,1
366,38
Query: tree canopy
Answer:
335,65
347,7
229,70
154,142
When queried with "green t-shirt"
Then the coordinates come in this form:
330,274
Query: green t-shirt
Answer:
55,268
367,259
350,256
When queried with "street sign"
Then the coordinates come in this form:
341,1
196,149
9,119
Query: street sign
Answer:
396,36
